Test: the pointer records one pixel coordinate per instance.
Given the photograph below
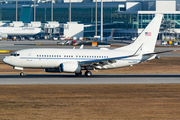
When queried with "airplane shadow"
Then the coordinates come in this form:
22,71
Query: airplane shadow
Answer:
93,76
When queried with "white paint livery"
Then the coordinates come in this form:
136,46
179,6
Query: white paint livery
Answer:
75,60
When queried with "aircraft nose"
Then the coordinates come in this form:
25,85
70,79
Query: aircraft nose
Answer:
5,60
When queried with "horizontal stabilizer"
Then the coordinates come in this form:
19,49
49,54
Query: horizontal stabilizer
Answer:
159,52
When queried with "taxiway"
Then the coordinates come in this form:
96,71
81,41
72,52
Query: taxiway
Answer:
95,79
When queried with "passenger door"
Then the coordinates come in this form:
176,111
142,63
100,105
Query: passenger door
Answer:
29,56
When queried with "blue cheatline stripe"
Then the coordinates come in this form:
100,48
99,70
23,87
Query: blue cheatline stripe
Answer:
78,59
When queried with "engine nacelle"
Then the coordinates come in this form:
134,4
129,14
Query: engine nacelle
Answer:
3,35
70,67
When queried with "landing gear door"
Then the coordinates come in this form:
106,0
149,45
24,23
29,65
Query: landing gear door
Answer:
29,56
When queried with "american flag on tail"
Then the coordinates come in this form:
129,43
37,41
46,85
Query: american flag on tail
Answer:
147,33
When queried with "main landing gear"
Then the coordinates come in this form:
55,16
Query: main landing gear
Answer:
87,74
78,74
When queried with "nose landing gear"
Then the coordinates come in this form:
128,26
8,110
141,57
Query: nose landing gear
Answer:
22,74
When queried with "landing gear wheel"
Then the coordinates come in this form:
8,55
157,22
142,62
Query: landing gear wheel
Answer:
88,73
21,74
78,74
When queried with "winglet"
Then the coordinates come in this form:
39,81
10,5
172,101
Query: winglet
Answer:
139,51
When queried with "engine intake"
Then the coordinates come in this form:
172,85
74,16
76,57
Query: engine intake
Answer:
70,67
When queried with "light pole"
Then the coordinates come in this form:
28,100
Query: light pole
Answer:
69,10
101,20
16,10
96,20
34,10
52,11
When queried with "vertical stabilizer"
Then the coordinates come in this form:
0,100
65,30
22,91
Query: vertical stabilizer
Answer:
111,33
148,36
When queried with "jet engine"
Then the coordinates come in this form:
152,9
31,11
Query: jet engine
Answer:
70,67
3,35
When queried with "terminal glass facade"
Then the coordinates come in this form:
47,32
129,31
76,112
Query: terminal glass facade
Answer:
9,14
80,15
137,21
86,15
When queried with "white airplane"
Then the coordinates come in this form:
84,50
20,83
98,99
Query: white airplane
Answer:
75,60
19,31
105,38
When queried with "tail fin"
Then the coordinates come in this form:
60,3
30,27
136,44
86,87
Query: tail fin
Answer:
148,36
111,33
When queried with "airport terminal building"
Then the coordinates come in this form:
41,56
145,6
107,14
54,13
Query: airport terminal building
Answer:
126,17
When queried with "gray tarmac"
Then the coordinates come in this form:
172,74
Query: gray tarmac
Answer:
36,79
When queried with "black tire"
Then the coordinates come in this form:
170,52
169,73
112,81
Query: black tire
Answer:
21,74
88,74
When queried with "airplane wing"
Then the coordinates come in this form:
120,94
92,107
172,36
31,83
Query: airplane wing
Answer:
158,52
95,62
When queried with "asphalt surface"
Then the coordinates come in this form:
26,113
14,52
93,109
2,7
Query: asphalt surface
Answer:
95,79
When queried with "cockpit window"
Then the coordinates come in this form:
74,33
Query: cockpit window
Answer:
14,54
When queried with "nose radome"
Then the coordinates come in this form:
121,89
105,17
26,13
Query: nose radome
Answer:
5,60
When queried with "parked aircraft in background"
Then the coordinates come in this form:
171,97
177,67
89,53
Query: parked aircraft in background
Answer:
105,38
75,60
19,31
